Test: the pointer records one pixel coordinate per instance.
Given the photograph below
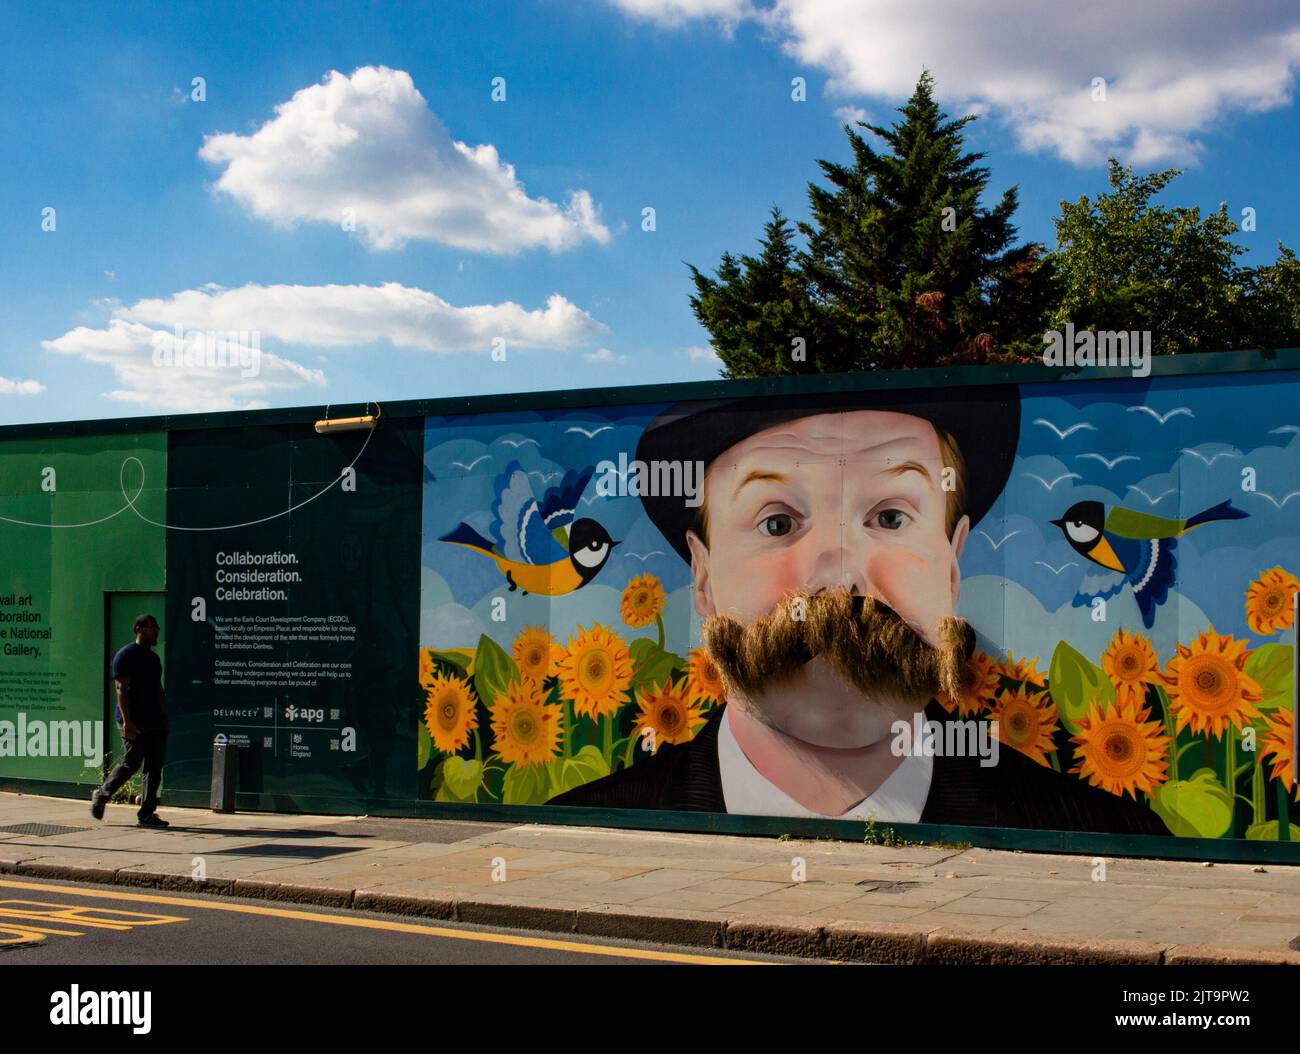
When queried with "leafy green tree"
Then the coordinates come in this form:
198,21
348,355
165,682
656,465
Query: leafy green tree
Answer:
1273,303
759,305
902,265
1128,263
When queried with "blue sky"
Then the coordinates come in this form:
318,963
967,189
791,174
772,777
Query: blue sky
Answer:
228,214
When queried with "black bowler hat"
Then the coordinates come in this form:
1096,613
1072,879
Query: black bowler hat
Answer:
983,420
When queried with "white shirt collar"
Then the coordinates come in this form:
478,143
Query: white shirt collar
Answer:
747,791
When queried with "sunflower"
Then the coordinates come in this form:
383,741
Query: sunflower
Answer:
1208,686
979,684
427,667
702,678
1121,751
667,713
643,599
1281,729
595,671
535,652
1130,663
525,727
1268,602
1024,672
449,713
1026,721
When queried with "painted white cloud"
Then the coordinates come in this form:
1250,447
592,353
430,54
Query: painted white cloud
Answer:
331,316
1172,67
12,387
237,376
368,150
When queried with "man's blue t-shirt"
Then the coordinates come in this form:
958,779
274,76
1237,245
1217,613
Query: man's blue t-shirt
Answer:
144,696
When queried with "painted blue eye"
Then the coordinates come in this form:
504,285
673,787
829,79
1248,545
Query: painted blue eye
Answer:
891,519
777,525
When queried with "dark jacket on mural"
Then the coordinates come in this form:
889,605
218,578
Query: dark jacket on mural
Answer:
1016,792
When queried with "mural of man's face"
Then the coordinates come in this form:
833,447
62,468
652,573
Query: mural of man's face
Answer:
852,501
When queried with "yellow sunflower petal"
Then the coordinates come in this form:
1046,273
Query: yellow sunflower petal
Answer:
449,712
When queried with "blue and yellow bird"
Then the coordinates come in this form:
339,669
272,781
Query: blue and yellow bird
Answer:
1137,545
538,545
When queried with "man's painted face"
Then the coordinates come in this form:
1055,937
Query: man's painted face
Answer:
846,500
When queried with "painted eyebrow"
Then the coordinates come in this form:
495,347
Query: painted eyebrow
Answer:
757,475
908,466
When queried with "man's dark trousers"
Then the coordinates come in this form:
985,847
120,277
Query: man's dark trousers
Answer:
150,750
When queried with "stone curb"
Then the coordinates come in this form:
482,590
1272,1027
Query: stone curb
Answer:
881,943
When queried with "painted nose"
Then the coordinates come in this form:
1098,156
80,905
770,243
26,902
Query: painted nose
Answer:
835,567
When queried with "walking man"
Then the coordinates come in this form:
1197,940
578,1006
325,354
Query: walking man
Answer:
141,722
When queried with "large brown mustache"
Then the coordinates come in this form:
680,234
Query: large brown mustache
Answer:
864,639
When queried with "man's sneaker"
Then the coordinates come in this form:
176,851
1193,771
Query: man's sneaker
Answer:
152,820
97,804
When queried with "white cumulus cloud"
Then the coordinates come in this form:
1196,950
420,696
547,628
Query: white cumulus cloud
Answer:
1172,68
332,316
675,12
697,353
12,387
604,355
366,153
851,114
150,374
138,338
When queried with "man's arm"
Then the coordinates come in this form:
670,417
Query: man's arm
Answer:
124,704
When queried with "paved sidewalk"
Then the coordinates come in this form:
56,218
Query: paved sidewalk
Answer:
857,902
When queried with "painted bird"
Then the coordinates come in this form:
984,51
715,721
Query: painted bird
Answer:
528,540
1137,545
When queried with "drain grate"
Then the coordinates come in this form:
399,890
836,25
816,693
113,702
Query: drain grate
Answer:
40,830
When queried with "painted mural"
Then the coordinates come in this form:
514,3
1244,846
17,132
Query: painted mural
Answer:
1071,604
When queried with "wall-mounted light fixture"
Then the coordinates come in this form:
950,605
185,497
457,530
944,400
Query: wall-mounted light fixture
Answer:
347,424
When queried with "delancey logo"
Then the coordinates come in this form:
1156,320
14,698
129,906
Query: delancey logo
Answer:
1105,347
75,1007
923,737
52,739
671,479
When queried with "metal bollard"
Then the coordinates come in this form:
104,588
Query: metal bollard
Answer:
225,773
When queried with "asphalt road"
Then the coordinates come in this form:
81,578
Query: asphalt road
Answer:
44,921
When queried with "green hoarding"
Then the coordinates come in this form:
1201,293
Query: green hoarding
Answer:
79,535
375,620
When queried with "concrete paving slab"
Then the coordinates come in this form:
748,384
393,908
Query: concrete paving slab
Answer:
861,902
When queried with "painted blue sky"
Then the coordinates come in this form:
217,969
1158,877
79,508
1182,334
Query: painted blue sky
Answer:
1172,447
348,189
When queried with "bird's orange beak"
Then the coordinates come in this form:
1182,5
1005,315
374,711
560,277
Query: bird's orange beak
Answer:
1103,554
